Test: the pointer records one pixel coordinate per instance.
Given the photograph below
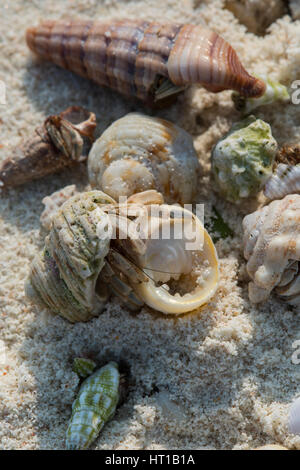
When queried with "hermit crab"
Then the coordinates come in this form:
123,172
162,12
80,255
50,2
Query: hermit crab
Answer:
142,250
274,92
145,59
242,160
62,141
272,249
138,152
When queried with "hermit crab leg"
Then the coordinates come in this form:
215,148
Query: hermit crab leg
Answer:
145,59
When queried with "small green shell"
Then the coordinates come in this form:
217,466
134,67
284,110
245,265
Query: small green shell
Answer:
275,91
83,367
242,161
95,404
63,278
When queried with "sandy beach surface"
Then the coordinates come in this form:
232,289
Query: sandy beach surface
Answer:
220,378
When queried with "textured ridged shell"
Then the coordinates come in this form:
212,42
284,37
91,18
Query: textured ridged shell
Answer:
64,277
137,153
95,404
83,367
242,160
294,417
129,55
53,203
272,248
285,180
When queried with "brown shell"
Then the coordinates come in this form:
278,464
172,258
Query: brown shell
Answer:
130,56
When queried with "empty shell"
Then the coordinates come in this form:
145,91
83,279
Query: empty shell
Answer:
138,152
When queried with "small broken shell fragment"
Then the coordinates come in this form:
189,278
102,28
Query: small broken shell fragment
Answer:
94,406
294,417
62,141
272,249
286,176
242,160
295,9
271,447
54,202
275,91
139,152
63,278
83,367
256,15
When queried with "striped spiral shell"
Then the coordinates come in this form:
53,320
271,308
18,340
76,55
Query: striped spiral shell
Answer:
95,404
138,152
272,249
136,57
64,276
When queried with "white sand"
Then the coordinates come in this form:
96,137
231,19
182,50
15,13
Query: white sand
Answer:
228,368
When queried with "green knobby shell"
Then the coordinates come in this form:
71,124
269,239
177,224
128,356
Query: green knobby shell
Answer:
275,91
63,278
95,404
242,160
83,367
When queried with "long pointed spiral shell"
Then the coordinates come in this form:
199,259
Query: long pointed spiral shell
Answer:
138,152
137,57
64,276
95,404
272,248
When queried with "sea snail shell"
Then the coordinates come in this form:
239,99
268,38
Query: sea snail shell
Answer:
95,404
272,249
138,152
173,274
145,59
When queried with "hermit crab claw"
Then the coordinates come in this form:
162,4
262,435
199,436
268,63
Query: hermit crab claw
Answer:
179,261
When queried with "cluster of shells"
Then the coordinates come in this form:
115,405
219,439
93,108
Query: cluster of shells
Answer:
98,245
121,237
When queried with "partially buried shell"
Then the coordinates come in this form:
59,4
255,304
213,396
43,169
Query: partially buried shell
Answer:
142,250
242,160
94,406
286,176
272,248
138,152
141,58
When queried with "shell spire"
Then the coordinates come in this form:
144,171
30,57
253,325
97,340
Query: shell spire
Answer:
145,59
